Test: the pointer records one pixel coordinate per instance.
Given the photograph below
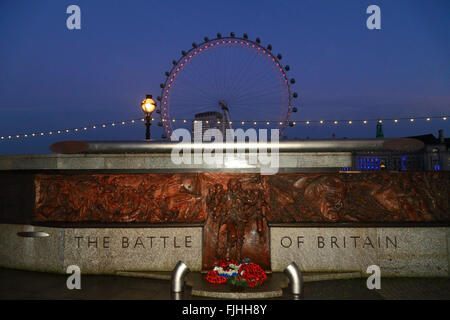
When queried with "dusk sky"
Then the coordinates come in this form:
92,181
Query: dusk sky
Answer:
53,78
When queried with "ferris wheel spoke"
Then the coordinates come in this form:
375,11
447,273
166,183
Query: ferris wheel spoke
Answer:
242,68
197,88
252,94
243,73
249,82
252,86
187,91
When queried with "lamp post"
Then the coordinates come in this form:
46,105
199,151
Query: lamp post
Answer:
148,105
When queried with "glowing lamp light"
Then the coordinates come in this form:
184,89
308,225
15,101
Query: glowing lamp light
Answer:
148,105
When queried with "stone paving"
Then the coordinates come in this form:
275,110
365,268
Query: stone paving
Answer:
16,284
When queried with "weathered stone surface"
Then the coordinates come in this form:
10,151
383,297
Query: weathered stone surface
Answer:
398,251
132,249
38,254
101,250
322,249
80,162
420,252
324,159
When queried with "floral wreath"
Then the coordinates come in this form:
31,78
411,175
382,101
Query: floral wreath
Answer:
245,274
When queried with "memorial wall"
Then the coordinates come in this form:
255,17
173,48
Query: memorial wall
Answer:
325,221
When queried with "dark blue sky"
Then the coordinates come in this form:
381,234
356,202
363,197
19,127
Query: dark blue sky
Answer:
52,77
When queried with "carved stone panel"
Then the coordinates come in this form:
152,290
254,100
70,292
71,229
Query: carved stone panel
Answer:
236,208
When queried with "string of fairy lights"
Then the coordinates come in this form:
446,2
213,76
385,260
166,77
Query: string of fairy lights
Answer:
257,123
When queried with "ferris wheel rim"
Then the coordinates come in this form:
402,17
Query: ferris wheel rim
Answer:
166,122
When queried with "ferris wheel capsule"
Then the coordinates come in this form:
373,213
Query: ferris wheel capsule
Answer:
269,47
258,40
219,36
279,56
245,36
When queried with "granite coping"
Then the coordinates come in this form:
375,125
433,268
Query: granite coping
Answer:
163,162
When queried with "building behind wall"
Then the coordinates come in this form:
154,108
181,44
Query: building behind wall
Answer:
208,120
434,157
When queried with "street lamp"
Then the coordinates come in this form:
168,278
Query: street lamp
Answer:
148,105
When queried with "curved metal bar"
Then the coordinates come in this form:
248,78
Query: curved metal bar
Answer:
331,145
33,234
178,274
295,278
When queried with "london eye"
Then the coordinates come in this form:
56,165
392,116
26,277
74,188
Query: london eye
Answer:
237,78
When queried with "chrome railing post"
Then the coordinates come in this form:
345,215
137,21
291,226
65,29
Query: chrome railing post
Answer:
178,274
295,278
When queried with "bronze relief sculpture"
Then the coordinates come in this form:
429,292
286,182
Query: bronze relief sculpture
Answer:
237,207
